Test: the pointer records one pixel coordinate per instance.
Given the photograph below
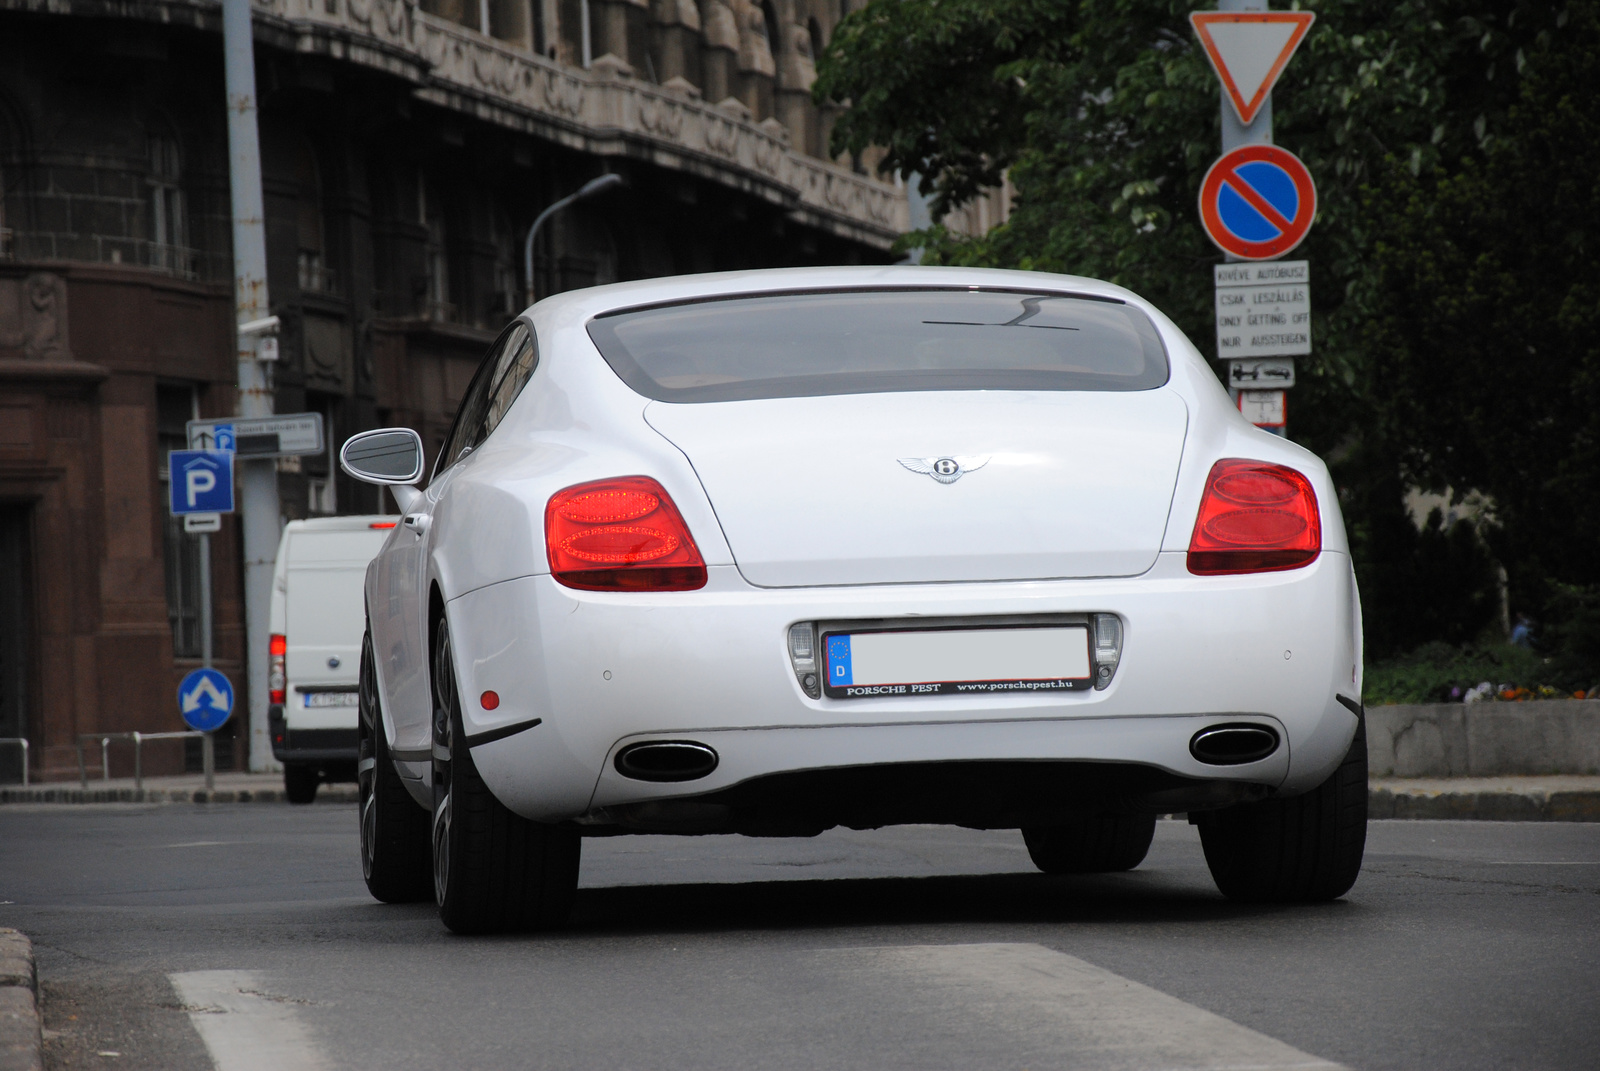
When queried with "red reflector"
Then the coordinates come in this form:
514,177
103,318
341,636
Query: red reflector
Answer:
1255,517
622,534
277,645
489,700
381,524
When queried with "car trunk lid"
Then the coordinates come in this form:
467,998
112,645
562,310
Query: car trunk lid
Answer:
838,489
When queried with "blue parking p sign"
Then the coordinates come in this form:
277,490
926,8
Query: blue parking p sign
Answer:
202,481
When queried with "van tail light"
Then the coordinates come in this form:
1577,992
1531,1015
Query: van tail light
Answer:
277,647
1255,517
621,534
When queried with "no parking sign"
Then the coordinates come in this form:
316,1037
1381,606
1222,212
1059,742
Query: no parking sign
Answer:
1257,202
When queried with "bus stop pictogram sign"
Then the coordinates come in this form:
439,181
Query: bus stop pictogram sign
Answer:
1257,202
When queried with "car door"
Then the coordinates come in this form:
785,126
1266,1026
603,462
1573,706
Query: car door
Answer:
404,571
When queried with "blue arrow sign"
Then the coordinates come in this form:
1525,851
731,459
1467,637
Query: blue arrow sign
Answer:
202,481
205,699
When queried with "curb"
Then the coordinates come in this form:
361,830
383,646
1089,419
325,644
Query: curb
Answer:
47,794
1483,805
21,1031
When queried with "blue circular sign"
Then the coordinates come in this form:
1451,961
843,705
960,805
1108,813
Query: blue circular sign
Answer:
1257,202
205,699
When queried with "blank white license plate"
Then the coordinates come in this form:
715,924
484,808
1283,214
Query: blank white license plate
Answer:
957,661
332,699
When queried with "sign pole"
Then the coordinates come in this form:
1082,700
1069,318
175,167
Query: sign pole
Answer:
258,480
1248,46
207,743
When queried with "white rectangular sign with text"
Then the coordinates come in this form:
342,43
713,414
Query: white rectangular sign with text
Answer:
1263,309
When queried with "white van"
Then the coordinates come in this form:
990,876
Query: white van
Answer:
315,652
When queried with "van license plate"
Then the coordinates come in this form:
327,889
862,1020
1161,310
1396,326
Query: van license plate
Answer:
332,699
957,661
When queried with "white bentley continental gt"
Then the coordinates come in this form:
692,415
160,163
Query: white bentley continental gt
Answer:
770,552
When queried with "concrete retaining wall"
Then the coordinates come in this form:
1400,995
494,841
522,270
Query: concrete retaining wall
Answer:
1556,736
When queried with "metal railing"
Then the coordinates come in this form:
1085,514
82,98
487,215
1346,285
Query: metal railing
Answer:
207,751
23,743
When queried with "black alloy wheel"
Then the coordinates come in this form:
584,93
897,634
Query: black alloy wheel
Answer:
1302,849
394,827
493,871
1095,843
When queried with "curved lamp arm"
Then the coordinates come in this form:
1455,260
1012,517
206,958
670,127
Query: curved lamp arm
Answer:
589,189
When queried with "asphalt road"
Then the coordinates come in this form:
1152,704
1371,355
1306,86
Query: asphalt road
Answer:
162,930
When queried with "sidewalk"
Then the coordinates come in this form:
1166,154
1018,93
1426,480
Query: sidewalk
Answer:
188,788
1558,798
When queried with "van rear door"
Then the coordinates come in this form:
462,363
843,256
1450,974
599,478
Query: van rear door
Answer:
325,621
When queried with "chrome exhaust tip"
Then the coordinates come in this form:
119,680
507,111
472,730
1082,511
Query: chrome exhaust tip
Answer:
666,760
1233,745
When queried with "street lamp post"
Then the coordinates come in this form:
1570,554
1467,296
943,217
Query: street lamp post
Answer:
589,189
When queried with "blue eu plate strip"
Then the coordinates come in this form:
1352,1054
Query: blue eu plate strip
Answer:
839,661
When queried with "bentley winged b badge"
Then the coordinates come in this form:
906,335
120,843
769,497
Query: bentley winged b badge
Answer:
946,469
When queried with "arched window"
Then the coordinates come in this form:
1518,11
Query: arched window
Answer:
814,28
436,259
311,235
505,300
169,233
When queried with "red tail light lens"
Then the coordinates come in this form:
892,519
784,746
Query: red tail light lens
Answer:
277,647
1255,518
622,534
381,524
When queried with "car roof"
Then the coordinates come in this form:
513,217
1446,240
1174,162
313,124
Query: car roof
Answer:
594,301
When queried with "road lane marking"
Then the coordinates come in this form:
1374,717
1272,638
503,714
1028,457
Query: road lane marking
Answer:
1077,1014
244,1028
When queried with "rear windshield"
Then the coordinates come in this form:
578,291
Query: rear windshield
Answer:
870,341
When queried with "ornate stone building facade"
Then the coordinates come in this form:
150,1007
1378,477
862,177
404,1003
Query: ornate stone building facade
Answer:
405,151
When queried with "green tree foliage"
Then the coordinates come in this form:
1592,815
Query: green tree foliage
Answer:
1436,130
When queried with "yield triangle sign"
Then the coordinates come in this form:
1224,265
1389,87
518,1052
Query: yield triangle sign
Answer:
1249,50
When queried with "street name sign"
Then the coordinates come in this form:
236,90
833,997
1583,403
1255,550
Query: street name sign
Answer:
205,699
1249,50
201,481
1265,408
1257,202
283,435
1263,310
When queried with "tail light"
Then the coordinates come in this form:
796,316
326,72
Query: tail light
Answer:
622,534
1255,518
277,647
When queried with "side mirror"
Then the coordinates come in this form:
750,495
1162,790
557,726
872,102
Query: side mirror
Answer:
389,457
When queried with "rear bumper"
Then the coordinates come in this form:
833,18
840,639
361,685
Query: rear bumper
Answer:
309,746
604,670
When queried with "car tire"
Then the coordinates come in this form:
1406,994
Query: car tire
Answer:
300,783
1096,843
493,871
395,856
1303,849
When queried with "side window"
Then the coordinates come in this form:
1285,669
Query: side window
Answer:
519,366
468,429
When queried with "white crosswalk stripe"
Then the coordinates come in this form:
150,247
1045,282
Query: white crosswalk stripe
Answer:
244,1026
1067,1013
